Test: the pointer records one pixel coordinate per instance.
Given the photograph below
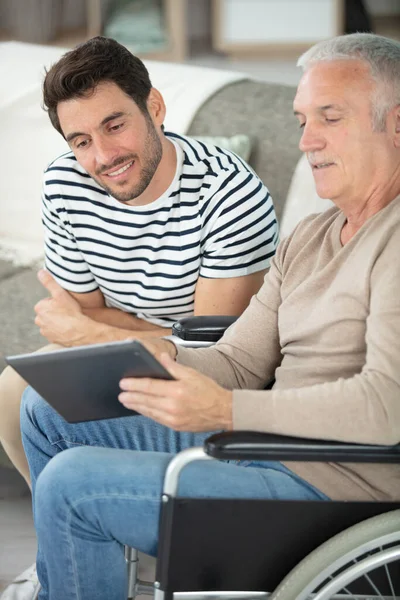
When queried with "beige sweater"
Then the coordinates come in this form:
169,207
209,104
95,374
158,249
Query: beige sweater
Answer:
326,324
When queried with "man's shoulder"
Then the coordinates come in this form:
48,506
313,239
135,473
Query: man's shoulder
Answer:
65,179
66,167
208,159
64,159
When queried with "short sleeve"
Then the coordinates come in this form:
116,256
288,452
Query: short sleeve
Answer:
63,258
240,230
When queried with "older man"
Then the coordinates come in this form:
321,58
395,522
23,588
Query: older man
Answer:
325,324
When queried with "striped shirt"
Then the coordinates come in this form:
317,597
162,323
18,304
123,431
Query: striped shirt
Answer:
215,220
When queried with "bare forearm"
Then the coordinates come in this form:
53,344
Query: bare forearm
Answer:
107,333
94,332
122,320
70,321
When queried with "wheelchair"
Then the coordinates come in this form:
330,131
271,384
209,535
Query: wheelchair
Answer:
220,549
277,549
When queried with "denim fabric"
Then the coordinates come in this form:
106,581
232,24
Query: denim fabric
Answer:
104,491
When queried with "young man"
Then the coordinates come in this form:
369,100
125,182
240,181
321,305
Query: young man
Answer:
142,226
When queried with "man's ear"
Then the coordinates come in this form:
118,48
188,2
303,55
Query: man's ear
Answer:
156,107
396,115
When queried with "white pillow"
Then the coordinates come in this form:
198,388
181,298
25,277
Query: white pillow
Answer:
302,199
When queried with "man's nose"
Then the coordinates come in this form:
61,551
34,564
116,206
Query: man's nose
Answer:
105,152
311,139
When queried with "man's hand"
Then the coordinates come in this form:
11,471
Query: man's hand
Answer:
60,316
193,402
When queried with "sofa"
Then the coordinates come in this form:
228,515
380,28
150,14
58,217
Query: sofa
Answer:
262,111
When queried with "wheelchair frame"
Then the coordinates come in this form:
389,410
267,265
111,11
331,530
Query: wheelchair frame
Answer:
178,560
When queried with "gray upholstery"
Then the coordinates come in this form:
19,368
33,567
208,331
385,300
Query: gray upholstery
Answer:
261,110
265,113
19,292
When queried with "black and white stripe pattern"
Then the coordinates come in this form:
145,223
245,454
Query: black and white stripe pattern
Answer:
216,220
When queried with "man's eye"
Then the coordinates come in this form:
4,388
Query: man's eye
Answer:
301,125
116,127
332,120
82,144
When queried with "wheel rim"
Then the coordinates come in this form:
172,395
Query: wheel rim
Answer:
373,566
364,569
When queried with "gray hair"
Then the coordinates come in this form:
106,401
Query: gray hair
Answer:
380,53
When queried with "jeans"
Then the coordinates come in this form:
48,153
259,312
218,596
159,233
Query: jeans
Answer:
96,487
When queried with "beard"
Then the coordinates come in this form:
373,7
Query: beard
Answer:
151,158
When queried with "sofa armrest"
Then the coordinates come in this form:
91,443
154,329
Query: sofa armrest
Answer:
254,445
209,328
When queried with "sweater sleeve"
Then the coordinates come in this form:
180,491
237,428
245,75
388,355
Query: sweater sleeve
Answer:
248,354
364,408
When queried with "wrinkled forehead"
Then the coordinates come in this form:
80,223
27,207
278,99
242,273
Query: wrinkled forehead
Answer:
335,81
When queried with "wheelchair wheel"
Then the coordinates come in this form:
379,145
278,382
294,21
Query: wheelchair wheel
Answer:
362,562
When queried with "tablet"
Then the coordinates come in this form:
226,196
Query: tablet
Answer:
82,383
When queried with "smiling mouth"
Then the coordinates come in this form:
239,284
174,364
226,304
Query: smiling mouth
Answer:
120,170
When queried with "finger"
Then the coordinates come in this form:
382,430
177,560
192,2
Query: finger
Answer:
42,305
154,387
165,403
158,409
43,331
140,399
51,284
142,403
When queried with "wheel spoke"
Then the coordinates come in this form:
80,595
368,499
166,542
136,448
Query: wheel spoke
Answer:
347,591
371,583
386,567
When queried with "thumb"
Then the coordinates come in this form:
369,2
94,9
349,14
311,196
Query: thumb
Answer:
51,284
175,369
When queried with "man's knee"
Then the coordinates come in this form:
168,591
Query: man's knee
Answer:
34,410
59,481
12,385
68,477
11,388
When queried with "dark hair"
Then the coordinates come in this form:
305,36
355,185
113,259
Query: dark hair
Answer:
79,72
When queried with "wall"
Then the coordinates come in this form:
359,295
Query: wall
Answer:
198,19
73,14
383,7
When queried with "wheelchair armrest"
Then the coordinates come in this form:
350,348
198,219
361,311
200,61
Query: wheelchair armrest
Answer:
208,328
254,445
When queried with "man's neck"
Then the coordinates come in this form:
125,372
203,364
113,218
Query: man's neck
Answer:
163,177
356,218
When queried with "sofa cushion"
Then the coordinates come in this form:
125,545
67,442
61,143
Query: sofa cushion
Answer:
7,269
302,199
18,295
